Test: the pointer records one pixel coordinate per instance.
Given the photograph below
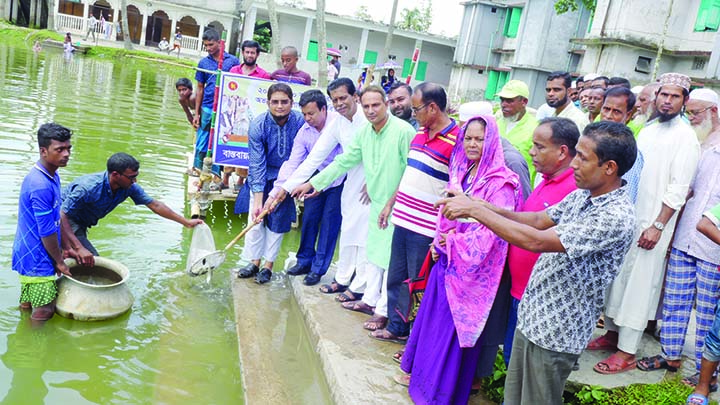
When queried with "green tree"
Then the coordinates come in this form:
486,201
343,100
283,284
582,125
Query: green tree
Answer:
563,6
263,35
363,13
418,18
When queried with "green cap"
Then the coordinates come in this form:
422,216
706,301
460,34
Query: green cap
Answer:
514,88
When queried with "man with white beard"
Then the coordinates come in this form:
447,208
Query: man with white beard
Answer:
645,108
702,111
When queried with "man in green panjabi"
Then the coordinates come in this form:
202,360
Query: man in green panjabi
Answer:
382,147
515,123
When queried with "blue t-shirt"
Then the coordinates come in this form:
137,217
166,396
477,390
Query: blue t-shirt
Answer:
89,198
38,217
208,63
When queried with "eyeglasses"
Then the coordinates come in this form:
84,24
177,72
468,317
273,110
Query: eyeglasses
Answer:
131,178
690,113
416,109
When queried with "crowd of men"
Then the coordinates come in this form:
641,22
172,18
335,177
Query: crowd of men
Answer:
608,178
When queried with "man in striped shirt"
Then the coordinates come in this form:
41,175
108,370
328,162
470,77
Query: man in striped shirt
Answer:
413,215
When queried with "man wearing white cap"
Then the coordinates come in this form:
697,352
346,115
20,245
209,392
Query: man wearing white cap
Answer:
514,122
692,275
671,152
702,111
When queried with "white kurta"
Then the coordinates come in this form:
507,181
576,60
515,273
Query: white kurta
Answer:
354,228
671,151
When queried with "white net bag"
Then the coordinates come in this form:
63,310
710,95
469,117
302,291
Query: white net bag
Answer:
203,257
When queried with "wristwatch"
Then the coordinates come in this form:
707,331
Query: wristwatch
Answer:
658,225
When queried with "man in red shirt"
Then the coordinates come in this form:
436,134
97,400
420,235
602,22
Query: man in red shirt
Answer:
250,52
553,149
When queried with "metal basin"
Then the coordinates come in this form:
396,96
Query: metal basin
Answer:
94,293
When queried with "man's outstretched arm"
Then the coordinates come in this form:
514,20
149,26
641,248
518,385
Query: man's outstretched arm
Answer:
164,211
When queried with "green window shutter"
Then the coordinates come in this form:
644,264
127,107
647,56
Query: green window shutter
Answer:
370,57
708,18
508,14
420,71
406,67
491,87
312,54
512,22
502,79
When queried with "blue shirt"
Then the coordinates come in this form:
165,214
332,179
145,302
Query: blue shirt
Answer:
208,79
38,217
632,177
270,146
89,198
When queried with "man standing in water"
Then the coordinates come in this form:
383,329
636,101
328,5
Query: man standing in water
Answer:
36,254
91,197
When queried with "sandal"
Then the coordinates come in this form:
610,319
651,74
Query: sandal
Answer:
693,380
655,363
614,365
333,288
359,306
397,357
375,323
385,335
348,296
403,380
696,399
602,343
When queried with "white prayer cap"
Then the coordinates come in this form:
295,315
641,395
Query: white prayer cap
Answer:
590,77
473,109
705,95
637,89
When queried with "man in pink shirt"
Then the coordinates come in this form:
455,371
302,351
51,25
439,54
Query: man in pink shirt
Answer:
250,52
553,149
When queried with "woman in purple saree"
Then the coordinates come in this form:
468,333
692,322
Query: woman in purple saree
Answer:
442,351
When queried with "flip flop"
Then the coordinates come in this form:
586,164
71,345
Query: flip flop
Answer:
384,335
403,380
397,357
375,323
655,363
602,343
333,288
696,399
348,296
614,365
359,306
693,380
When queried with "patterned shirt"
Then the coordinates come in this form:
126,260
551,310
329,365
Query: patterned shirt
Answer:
89,198
566,292
298,77
270,145
424,180
632,176
38,217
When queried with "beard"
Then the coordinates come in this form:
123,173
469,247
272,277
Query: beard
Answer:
250,62
402,113
558,103
664,117
513,118
703,129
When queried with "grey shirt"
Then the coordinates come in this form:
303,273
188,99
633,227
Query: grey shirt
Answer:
515,161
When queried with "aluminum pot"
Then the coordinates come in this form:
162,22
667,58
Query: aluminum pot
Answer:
94,293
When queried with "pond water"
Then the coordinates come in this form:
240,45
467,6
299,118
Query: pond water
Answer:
178,343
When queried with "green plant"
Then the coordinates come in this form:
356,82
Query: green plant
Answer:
563,6
591,394
494,385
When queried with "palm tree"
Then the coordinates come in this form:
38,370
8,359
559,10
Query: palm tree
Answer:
124,21
388,38
275,27
322,45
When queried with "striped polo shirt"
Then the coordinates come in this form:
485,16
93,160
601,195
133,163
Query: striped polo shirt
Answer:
424,180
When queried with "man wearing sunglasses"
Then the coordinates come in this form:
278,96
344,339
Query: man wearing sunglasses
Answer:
91,197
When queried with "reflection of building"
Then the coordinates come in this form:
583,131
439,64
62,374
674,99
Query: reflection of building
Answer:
361,43
520,39
150,21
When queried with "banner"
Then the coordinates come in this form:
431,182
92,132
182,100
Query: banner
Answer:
241,99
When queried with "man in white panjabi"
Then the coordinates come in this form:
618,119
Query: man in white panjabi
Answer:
352,256
671,151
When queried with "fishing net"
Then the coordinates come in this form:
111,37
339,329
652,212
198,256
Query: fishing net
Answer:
203,257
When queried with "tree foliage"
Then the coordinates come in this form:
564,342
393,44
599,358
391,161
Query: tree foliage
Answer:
418,18
294,3
563,6
262,34
363,13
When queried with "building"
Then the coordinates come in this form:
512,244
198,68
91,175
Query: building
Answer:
360,42
524,40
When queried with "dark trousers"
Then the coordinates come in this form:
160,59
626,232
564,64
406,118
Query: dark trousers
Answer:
409,250
81,234
321,223
510,330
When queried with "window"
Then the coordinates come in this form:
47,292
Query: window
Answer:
496,80
512,21
420,71
406,67
708,18
313,50
643,64
698,63
370,57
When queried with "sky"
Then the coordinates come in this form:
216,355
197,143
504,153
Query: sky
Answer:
447,15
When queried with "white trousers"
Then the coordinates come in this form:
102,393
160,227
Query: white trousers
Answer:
260,242
376,289
628,338
352,259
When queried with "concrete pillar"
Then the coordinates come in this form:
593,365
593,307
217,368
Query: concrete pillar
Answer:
362,47
249,23
86,14
202,24
144,27
14,11
713,66
173,25
306,38
33,13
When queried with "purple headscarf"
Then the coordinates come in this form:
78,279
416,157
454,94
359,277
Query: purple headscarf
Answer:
476,255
